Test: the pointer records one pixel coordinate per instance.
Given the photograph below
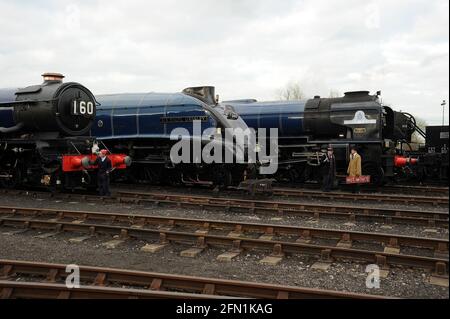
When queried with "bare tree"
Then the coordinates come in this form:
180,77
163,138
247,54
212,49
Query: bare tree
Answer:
334,94
292,91
417,138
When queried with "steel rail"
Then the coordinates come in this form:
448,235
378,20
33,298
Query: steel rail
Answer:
141,284
35,290
236,243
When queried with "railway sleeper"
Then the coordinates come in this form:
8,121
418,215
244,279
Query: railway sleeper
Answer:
305,237
63,295
345,242
236,247
157,284
325,256
7,272
100,280
441,251
209,289
52,275
6,293
277,251
235,251
163,239
381,261
441,270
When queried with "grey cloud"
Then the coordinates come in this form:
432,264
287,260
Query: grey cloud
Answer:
246,48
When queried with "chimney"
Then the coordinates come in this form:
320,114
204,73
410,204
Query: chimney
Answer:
52,77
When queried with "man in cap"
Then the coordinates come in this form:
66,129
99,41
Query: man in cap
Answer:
104,166
329,170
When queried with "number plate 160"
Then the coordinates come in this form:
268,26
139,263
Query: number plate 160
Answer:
82,108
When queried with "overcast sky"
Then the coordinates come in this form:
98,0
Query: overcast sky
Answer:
246,48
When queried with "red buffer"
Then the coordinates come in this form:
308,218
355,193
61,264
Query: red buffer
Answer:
401,161
76,163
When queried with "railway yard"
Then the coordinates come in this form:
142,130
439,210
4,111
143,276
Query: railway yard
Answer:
195,243
226,159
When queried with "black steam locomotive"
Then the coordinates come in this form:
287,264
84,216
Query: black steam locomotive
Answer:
307,128
44,138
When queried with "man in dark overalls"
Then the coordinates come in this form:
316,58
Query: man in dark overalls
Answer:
329,171
104,166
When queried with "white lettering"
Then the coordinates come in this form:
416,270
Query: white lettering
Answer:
73,279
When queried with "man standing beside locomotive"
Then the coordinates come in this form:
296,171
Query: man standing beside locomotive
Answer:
329,171
104,166
354,167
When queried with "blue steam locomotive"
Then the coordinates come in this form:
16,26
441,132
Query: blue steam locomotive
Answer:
142,126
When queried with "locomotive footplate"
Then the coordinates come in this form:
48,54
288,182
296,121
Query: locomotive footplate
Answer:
254,186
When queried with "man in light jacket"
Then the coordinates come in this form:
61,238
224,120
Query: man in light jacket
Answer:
354,167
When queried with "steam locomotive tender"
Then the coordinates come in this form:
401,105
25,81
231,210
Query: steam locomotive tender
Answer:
140,125
431,160
307,128
44,138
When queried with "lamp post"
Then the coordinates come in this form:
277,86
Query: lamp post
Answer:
444,103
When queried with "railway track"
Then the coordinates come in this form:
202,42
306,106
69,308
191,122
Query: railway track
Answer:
395,196
304,193
415,190
238,236
364,197
386,189
352,213
282,208
20,279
